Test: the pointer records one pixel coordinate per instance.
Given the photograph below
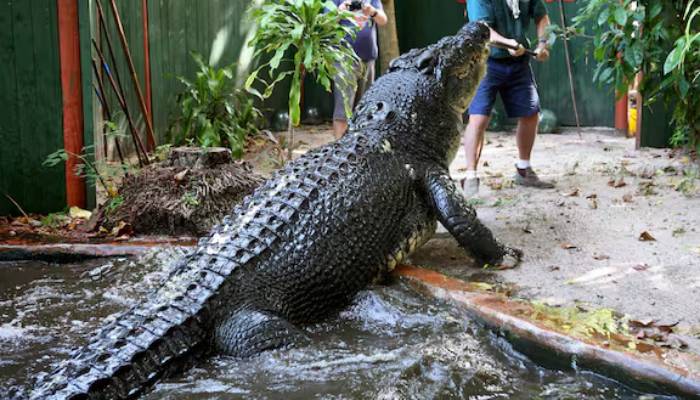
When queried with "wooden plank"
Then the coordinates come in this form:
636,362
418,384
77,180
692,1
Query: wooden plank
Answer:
8,128
25,100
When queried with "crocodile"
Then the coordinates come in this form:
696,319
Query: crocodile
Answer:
299,248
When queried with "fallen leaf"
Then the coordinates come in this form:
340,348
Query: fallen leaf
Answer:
628,198
600,257
568,246
527,230
641,267
617,183
592,196
553,268
573,193
77,212
593,203
180,176
121,229
486,163
646,237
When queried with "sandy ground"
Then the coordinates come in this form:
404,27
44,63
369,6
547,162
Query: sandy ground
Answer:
582,240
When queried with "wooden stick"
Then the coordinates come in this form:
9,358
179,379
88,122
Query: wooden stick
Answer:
568,67
132,70
105,107
122,102
18,206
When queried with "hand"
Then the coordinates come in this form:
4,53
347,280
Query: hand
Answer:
344,5
368,10
542,52
520,49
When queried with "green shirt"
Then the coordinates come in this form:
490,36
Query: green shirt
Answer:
500,18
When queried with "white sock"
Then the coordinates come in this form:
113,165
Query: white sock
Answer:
523,164
470,174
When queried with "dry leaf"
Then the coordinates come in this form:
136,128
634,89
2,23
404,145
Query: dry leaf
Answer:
568,246
592,196
646,237
486,163
180,176
573,193
593,203
617,183
641,267
601,257
628,198
77,212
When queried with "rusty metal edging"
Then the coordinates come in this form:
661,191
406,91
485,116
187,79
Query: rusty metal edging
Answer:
648,371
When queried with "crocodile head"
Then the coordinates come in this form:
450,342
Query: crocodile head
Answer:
460,64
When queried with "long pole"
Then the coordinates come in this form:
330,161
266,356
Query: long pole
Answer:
105,107
122,103
568,67
132,70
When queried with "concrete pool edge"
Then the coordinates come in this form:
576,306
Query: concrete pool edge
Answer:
652,371
72,252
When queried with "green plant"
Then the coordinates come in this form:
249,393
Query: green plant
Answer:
54,220
314,30
113,203
213,112
682,67
190,199
106,174
656,39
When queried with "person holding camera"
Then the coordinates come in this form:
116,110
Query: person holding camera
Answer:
508,73
368,15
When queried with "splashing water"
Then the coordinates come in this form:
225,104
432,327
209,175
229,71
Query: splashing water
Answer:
391,343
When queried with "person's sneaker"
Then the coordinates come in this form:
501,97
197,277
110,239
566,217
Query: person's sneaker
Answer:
470,187
528,177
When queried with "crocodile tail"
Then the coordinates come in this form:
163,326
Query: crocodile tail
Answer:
152,340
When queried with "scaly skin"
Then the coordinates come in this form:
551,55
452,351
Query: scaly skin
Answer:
300,247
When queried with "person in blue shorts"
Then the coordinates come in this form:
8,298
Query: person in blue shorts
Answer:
508,74
367,18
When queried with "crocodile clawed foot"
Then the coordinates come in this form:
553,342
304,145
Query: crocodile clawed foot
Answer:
511,258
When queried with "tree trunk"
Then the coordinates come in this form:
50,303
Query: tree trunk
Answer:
388,37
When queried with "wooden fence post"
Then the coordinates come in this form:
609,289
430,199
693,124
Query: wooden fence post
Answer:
69,54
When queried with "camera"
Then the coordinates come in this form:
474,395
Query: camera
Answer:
355,5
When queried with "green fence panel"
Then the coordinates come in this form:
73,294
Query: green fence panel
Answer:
216,29
596,105
31,124
421,23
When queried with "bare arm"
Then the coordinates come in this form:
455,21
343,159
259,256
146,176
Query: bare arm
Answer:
378,15
542,50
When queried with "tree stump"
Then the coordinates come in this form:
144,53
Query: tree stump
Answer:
199,158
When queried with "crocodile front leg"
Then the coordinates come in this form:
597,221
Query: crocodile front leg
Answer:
246,332
461,221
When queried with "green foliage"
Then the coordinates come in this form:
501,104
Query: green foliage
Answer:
579,322
54,220
190,199
682,68
106,174
313,31
658,39
213,111
113,203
